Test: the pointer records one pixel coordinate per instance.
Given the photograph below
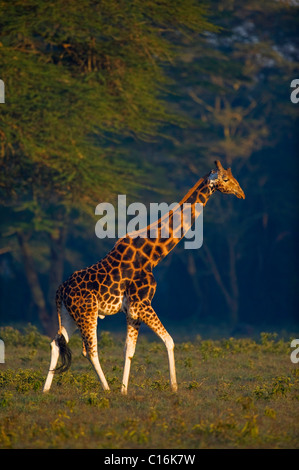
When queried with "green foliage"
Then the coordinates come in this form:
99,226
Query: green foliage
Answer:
280,386
105,339
69,69
22,381
28,336
93,399
6,399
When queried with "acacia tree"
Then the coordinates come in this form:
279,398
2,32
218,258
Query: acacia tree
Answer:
79,77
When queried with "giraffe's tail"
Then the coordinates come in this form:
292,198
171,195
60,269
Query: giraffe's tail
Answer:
65,354
64,351
58,301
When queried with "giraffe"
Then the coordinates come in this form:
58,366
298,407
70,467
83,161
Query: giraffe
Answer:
123,281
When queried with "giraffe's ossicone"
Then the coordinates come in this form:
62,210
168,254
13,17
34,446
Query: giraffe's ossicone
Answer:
123,281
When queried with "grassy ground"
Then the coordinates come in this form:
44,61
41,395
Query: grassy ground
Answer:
233,393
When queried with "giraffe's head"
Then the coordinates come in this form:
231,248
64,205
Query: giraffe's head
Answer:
222,180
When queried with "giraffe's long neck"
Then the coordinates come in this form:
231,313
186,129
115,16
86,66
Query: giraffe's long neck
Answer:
162,240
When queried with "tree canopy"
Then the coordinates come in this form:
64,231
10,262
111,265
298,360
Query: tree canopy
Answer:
139,98
79,78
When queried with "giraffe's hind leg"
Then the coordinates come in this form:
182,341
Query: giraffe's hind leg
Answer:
90,349
53,364
68,326
130,345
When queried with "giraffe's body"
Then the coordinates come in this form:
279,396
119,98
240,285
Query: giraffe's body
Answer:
123,281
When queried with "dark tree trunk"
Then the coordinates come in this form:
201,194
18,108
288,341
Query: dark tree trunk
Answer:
34,284
57,251
231,292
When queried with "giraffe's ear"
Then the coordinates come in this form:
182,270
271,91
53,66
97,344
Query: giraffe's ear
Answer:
219,166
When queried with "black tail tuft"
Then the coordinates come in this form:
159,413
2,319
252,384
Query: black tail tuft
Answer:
65,353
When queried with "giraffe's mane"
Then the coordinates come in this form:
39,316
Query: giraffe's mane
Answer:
143,232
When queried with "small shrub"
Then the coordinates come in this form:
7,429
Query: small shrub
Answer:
247,403
11,336
26,380
270,412
280,387
6,398
222,428
94,399
193,385
106,339
267,339
6,378
29,336
159,385
188,362
271,344
250,428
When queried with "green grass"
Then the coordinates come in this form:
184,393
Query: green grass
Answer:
233,393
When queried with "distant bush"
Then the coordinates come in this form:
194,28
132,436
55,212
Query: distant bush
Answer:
279,387
28,336
106,339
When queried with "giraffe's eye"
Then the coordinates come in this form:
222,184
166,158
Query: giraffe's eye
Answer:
225,180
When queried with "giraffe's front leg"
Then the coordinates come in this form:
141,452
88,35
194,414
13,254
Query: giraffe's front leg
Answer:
147,314
130,345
